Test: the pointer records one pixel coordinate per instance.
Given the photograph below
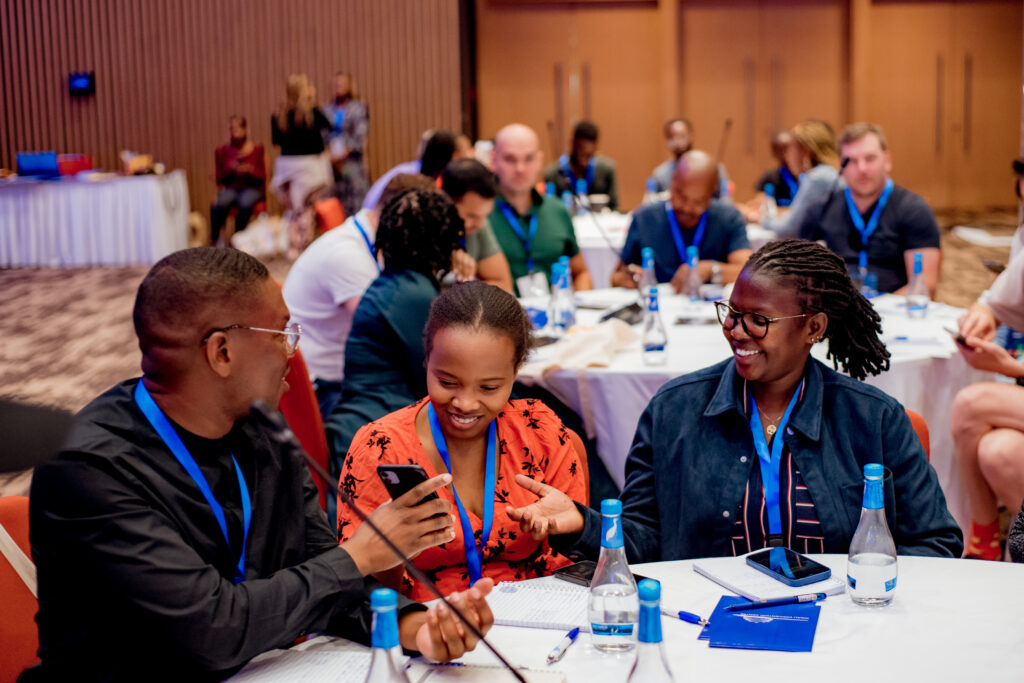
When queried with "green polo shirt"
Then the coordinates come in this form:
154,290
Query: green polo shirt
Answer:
555,235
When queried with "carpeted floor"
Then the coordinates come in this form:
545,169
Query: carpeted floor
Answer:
67,333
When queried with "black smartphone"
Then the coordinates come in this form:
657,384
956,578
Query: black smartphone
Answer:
957,337
788,566
582,573
400,479
631,314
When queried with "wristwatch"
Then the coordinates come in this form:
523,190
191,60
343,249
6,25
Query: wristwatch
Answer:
716,273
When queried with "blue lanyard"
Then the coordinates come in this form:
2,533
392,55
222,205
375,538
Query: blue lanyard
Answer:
369,244
677,234
527,240
858,220
567,170
770,462
339,118
792,183
474,552
171,439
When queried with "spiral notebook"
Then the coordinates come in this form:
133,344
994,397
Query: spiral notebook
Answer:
546,602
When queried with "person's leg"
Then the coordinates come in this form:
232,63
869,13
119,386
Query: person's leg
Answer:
978,410
219,211
247,200
1001,460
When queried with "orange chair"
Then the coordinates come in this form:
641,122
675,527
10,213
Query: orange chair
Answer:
329,213
300,409
921,427
19,639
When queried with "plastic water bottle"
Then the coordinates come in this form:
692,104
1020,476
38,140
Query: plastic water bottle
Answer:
564,260
385,665
648,278
871,567
917,291
650,665
655,338
613,604
549,189
769,207
651,193
582,198
563,308
693,281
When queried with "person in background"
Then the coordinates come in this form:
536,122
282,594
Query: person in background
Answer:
471,186
872,214
707,448
437,148
383,372
346,142
325,284
679,140
583,163
811,154
463,147
302,170
690,217
533,230
241,173
783,181
476,338
124,522
987,419
1015,542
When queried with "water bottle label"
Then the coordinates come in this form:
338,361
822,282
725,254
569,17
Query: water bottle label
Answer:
612,629
611,531
873,496
852,582
653,348
890,584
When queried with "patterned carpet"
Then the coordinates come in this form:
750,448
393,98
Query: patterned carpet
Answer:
67,333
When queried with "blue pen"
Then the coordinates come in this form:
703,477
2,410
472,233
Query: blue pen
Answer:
688,617
758,604
560,649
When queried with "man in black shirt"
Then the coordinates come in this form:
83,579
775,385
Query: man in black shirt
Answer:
149,570
872,216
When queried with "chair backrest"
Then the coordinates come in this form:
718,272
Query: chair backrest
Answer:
19,639
329,213
921,427
300,409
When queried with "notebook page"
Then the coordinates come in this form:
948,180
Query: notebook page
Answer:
540,603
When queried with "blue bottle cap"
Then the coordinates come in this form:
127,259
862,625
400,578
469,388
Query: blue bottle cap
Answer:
652,185
563,259
650,590
646,253
873,471
611,506
383,598
769,189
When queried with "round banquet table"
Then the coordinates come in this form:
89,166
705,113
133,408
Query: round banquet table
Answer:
925,374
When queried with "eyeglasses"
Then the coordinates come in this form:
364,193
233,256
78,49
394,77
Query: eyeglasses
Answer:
754,324
292,333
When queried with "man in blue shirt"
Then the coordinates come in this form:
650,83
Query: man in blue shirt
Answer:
690,217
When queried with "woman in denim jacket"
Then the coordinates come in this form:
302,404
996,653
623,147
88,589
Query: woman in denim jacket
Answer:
707,474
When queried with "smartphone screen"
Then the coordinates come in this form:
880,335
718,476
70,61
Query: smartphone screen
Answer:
400,479
788,566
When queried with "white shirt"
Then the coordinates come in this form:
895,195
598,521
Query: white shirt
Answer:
336,267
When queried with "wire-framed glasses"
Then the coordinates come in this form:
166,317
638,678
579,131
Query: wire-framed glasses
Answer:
292,333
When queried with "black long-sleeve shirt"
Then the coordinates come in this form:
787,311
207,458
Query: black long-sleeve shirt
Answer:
135,577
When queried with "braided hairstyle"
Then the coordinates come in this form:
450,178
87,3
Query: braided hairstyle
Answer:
480,306
823,286
418,230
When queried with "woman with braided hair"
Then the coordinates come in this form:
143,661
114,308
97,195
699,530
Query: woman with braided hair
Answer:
416,234
768,447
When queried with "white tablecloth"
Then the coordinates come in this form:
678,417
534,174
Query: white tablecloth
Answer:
950,620
925,375
74,223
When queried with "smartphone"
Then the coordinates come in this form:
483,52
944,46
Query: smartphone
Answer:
957,337
788,566
631,314
400,479
582,573
994,266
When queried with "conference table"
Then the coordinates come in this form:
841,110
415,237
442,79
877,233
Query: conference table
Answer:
950,620
926,373
112,221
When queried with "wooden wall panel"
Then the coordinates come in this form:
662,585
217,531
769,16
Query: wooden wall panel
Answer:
170,72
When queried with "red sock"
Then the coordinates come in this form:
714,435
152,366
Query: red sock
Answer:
983,542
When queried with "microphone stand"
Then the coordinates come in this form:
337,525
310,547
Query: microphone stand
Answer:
282,434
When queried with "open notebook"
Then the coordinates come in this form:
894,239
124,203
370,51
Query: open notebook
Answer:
735,574
545,602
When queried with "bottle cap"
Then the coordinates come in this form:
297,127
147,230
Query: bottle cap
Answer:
873,471
383,598
611,506
650,590
647,253
769,189
691,252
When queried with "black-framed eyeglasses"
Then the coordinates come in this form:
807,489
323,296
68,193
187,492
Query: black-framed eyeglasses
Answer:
754,324
292,333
